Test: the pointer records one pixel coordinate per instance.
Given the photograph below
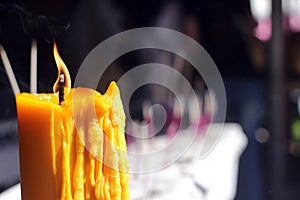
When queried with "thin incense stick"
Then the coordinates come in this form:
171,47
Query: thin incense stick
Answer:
9,71
33,67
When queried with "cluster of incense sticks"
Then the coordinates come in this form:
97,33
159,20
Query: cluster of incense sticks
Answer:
10,72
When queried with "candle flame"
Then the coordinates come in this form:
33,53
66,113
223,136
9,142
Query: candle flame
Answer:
62,69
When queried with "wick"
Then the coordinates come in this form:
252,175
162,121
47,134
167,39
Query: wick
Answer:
61,94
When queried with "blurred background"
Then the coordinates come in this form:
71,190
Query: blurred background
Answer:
254,43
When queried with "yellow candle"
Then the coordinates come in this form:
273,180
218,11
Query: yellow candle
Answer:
61,160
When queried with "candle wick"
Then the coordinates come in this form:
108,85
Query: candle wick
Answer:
61,93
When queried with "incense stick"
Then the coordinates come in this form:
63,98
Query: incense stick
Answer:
33,67
9,71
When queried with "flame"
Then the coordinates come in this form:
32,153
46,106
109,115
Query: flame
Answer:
62,69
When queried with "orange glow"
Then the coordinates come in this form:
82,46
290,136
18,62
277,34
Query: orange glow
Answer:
62,69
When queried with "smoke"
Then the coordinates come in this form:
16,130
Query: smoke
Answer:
34,24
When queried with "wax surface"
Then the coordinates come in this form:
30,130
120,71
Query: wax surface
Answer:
75,151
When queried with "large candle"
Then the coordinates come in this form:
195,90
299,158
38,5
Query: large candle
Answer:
68,153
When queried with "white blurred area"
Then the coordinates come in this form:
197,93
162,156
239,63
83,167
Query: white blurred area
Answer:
211,178
261,10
